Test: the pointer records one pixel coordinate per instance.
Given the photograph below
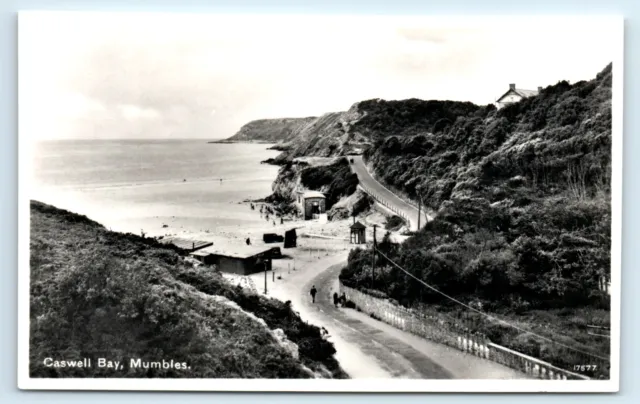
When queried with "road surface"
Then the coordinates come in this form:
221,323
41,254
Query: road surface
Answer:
371,186
367,348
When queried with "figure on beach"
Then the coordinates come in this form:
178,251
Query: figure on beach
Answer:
313,293
248,241
335,299
281,220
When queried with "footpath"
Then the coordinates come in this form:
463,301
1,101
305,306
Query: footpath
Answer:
368,348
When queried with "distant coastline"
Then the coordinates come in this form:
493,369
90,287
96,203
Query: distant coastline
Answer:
227,141
278,147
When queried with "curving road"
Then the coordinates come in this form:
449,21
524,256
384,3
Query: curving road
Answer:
367,348
379,192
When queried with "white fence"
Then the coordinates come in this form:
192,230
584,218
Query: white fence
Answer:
386,204
455,335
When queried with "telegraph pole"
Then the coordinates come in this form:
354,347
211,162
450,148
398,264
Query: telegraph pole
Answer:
265,277
373,257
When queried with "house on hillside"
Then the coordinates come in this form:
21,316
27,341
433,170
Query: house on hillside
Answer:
311,204
514,95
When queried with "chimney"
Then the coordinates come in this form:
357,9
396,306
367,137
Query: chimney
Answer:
539,89
512,86
354,220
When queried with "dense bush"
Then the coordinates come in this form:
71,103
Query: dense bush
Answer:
522,197
362,205
394,223
96,293
335,180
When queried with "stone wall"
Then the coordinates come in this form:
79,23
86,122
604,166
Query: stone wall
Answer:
450,332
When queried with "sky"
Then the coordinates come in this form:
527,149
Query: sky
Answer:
175,76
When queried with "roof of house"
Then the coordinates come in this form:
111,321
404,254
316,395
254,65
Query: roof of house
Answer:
233,251
358,225
526,93
518,91
186,244
313,194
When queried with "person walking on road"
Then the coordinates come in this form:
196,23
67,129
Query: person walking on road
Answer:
313,293
335,299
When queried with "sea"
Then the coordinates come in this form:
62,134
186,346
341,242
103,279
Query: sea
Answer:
154,186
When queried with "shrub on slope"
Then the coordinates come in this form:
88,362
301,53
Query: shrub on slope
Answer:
335,180
522,200
523,212
96,293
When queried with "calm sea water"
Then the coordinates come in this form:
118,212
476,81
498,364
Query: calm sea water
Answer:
133,185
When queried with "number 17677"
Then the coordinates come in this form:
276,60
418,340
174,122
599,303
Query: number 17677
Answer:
585,368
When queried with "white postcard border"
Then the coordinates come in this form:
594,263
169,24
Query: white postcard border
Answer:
25,382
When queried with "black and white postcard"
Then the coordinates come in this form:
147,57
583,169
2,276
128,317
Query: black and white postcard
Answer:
229,202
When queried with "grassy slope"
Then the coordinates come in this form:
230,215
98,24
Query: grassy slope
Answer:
523,209
96,292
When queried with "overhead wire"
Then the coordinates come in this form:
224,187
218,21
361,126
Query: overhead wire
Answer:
488,315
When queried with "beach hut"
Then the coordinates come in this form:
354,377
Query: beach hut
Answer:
236,259
358,233
290,239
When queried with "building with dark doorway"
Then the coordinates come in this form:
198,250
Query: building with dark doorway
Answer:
311,204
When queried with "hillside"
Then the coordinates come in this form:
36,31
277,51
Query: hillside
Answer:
270,130
355,130
97,293
522,197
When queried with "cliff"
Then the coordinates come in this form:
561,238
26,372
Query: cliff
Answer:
329,135
99,293
270,130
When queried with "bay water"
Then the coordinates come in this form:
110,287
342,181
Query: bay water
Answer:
154,186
